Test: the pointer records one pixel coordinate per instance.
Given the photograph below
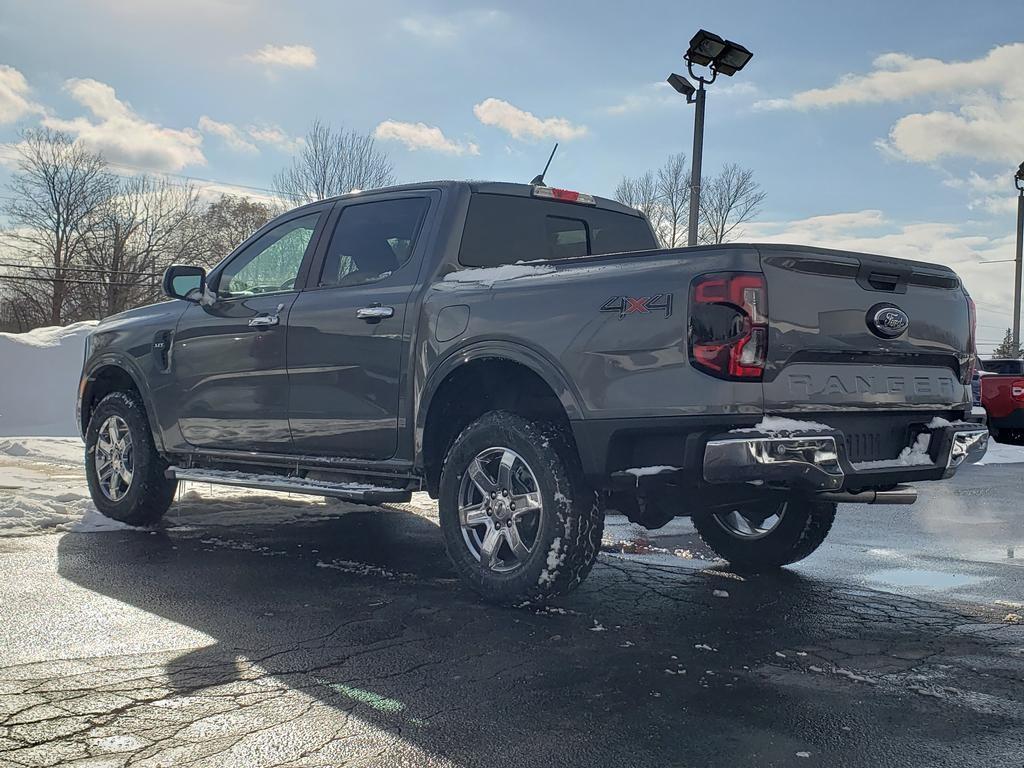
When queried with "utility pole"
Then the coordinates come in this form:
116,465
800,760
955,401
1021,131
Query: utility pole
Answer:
695,160
1018,181
720,57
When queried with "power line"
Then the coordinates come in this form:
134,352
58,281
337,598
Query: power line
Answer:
83,269
72,281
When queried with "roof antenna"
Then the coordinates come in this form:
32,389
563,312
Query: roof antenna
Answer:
538,181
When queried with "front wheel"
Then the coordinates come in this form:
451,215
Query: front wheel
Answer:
766,535
519,521
124,471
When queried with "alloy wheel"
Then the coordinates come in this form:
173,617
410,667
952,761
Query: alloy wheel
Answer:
500,509
115,461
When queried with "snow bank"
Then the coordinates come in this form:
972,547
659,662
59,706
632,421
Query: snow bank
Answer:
39,373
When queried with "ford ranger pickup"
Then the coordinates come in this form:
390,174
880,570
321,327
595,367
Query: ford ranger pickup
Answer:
530,357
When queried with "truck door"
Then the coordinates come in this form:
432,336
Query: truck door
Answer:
228,357
349,333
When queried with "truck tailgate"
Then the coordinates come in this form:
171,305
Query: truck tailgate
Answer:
837,339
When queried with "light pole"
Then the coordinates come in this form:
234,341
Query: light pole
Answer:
1018,181
719,56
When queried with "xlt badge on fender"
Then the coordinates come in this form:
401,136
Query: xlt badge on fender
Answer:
887,321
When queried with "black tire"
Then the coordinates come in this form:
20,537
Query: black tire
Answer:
802,528
150,493
568,534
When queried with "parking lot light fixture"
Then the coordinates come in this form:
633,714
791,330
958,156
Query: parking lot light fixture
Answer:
718,56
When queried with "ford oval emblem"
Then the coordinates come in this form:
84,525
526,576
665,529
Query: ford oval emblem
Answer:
887,321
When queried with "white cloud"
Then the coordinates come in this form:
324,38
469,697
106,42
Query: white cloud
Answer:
990,130
123,136
14,96
246,139
284,57
985,99
993,194
231,134
521,124
660,95
422,136
275,137
870,231
650,96
445,29
897,77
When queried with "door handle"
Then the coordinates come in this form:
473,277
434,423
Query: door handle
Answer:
375,314
264,321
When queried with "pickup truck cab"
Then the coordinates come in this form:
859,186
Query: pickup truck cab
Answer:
530,357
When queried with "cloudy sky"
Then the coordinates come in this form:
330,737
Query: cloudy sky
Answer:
885,126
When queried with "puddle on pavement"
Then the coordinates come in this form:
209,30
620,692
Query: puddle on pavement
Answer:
918,577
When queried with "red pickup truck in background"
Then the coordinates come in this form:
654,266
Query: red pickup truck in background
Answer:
1002,395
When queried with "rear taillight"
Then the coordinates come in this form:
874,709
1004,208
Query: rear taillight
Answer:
972,352
728,335
1017,390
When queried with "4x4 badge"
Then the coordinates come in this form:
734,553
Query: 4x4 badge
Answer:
639,305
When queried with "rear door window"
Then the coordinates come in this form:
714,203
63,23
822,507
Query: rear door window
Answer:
371,240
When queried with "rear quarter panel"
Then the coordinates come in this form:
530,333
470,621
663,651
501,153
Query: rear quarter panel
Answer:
617,364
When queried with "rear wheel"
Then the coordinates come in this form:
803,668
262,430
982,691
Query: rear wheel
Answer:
124,471
767,534
519,521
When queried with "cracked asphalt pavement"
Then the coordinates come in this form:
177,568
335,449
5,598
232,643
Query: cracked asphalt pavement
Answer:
320,634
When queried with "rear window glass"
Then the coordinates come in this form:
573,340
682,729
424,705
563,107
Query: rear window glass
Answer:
503,229
1003,366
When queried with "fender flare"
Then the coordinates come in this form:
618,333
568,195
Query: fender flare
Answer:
537,362
126,364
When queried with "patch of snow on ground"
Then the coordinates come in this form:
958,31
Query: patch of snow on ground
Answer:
1003,454
39,379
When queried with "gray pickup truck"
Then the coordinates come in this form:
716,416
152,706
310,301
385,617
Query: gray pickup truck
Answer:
530,357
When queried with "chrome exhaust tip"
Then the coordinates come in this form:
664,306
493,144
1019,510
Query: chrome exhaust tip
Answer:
901,494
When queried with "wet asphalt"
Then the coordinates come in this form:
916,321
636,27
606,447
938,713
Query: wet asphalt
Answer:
346,640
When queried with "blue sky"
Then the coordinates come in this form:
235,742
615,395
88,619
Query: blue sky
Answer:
891,127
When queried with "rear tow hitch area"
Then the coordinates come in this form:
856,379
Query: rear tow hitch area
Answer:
815,461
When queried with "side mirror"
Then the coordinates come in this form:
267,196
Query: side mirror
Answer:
182,281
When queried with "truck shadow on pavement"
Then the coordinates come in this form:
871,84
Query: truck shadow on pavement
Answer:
348,637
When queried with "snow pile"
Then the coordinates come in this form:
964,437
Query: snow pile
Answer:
39,373
774,425
488,276
914,455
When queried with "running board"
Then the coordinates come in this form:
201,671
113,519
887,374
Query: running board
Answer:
358,492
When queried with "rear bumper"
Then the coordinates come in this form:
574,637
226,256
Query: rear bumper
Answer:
816,461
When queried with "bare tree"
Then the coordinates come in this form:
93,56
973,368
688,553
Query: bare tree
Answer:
663,196
674,193
227,222
333,163
641,192
56,190
726,202
141,229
